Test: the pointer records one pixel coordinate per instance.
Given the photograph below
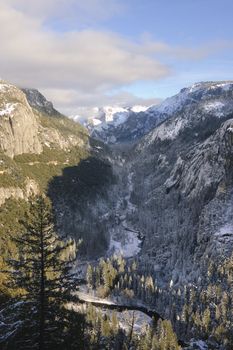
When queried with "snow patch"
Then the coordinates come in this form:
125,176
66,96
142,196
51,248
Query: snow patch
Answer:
125,240
230,129
8,109
215,107
129,248
172,104
224,86
96,122
175,103
168,131
138,109
199,345
227,229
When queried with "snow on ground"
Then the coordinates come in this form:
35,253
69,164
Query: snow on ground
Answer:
175,103
138,108
89,298
225,86
199,345
130,206
125,239
168,131
226,229
8,109
124,317
215,107
96,121
129,248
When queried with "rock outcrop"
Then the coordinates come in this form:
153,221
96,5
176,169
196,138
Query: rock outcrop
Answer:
39,102
18,125
31,188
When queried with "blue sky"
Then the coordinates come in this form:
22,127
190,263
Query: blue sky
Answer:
191,23
95,52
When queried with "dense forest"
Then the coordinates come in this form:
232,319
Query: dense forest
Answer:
39,289
40,306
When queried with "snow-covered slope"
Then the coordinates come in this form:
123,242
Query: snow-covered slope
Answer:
108,122
110,116
120,125
194,94
182,181
201,103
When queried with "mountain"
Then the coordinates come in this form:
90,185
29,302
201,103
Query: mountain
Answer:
174,170
168,186
163,199
182,175
131,126
107,123
37,146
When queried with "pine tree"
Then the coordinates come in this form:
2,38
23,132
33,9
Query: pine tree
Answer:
206,320
115,323
105,326
167,337
89,276
45,283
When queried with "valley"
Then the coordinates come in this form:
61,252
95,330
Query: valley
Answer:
150,210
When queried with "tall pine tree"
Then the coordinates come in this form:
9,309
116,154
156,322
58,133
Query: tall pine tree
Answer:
39,318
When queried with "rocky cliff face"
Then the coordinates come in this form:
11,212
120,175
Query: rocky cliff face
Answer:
182,182
39,102
25,126
19,129
33,141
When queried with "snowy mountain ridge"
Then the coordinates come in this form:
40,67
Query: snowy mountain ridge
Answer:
193,94
200,102
121,125
111,115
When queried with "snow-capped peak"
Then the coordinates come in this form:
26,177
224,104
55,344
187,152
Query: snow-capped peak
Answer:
108,112
103,117
139,108
192,94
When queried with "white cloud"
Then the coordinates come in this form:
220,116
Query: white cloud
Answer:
73,102
78,10
80,67
88,63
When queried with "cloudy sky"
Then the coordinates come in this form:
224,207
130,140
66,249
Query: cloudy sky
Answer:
86,53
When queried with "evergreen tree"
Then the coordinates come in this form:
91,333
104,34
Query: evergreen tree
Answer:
89,276
45,283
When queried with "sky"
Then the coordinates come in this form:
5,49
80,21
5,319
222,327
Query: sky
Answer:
86,53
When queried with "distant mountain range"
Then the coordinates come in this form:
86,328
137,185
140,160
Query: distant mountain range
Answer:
122,125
